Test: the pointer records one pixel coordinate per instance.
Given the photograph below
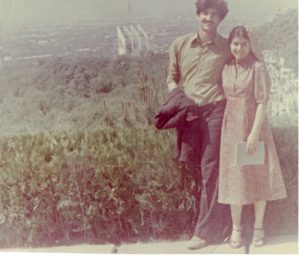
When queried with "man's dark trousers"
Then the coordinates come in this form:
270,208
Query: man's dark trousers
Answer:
214,218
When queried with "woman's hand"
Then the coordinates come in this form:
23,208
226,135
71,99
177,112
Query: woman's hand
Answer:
251,143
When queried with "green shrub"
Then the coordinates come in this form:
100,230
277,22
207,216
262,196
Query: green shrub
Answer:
111,185
282,215
98,186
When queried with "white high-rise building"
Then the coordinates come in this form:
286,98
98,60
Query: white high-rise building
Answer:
132,40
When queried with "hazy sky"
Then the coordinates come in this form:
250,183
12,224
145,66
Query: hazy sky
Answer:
272,6
36,11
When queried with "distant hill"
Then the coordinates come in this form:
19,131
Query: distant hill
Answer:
281,36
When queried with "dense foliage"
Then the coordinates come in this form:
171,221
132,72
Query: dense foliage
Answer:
68,94
110,185
281,37
100,186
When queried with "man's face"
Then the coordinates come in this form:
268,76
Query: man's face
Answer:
209,19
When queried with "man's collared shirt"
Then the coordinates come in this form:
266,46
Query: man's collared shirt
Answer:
197,67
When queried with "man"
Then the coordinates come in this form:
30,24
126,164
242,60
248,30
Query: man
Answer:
196,62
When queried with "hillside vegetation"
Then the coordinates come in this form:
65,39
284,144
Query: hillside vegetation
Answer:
281,36
80,94
112,185
88,92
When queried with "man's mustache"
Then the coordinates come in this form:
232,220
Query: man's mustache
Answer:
208,21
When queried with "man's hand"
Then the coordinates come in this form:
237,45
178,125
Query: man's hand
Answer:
190,117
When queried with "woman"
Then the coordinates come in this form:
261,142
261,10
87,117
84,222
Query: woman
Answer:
246,86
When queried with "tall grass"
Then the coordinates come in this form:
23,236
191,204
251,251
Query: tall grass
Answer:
97,186
109,185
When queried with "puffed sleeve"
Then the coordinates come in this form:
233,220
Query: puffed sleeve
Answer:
173,68
262,83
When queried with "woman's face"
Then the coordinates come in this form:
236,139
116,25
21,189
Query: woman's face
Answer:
240,47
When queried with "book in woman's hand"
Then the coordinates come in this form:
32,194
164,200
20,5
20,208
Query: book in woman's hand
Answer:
255,158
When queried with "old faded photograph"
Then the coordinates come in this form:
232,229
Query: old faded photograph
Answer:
149,126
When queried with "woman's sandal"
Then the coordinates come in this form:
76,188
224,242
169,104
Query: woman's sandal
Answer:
258,237
235,241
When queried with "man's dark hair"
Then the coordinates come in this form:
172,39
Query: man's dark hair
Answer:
220,5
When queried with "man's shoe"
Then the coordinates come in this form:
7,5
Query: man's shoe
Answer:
197,243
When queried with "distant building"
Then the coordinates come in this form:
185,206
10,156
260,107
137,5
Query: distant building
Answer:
132,40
